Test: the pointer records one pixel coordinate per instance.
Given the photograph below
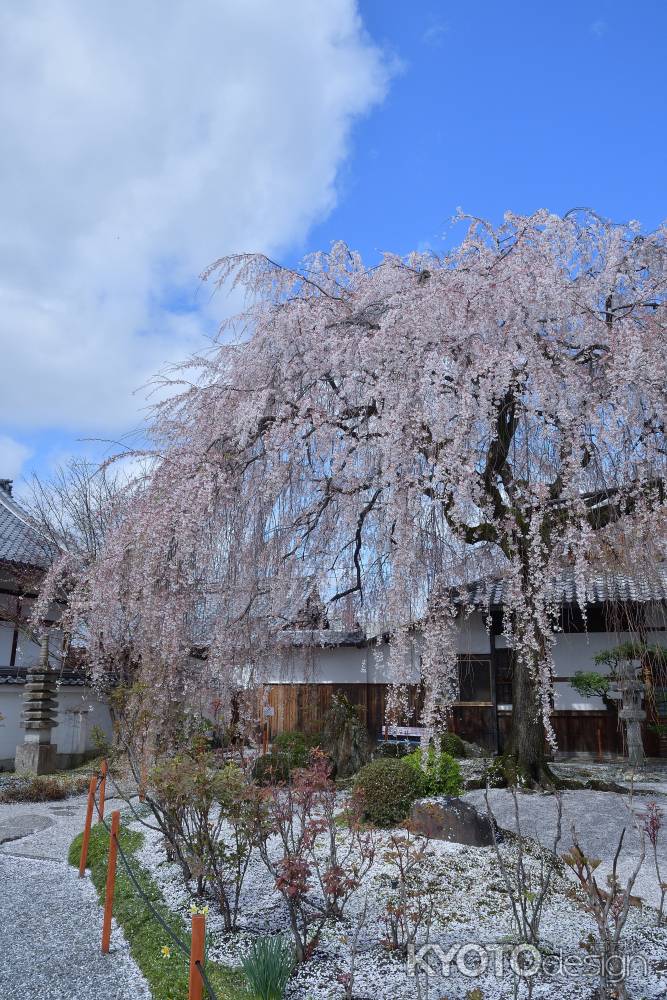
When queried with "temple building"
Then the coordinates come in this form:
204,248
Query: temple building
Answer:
24,558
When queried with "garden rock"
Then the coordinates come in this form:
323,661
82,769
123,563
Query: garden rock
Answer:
445,818
346,738
23,826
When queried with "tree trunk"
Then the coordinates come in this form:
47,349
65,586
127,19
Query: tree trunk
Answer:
526,746
527,733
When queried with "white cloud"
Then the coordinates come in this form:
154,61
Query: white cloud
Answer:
435,33
142,141
13,456
598,28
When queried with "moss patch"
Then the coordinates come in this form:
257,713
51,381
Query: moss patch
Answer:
167,977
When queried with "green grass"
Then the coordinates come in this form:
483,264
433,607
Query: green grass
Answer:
167,977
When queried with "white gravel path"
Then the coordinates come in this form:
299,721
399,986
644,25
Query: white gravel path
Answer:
50,920
599,818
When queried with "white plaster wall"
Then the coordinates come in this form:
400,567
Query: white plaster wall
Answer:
339,665
11,733
324,665
359,665
6,635
576,651
78,711
366,664
28,652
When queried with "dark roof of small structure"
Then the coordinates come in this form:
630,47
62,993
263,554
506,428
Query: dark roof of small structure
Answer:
326,637
17,676
20,543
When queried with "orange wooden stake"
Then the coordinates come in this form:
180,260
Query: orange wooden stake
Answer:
111,882
86,830
103,787
196,985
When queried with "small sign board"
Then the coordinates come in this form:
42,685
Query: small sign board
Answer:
269,711
414,732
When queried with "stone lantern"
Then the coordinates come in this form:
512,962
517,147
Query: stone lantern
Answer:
628,689
37,754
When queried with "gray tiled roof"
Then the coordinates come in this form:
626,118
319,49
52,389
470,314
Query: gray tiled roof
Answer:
17,676
19,541
326,637
600,588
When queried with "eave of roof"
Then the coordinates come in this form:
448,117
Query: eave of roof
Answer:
16,676
21,545
600,588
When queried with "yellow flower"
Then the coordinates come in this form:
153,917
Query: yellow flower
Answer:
166,951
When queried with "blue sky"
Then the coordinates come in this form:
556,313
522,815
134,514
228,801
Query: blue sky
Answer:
140,155
509,105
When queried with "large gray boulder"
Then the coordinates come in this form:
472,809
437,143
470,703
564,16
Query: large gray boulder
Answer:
447,818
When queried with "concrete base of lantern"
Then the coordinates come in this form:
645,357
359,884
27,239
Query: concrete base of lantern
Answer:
35,758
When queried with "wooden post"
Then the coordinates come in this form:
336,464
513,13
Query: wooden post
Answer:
599,736
103,787
143,778
111,882
196,984
92,787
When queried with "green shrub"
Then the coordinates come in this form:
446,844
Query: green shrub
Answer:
295,746
271,768
101,742
441,776
268,965
589,683
394,748
452,744
387,788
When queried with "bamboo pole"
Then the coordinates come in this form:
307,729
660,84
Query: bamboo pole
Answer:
111,881
92,788
103,787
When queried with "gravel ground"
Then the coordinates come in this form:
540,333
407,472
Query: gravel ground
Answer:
472,909
50,920
599,818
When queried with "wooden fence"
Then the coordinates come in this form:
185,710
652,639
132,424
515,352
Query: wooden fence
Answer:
303,707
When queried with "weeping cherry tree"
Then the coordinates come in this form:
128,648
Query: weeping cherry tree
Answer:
391,433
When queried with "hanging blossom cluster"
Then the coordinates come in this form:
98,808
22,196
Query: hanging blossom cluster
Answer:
383,436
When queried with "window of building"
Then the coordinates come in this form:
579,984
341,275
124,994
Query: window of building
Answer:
503,676
474,680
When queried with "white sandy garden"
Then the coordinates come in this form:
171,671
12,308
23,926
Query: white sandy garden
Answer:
396,891
471,907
